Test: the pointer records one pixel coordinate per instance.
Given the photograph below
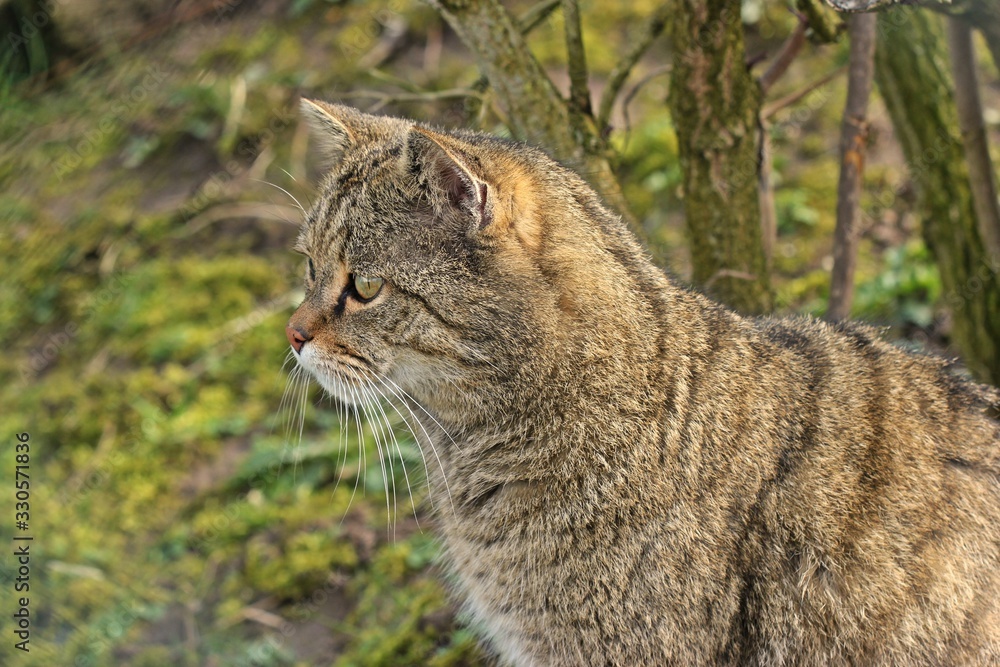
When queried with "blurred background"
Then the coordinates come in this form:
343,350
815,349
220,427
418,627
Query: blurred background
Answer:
191,504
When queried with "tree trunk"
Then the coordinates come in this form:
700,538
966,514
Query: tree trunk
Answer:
535,110
973,128
911,69
853,146
715,104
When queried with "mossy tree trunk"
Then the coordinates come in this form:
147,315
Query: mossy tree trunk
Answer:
535,110
715,104
912,72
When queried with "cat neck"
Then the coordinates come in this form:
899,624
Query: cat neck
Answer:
600,418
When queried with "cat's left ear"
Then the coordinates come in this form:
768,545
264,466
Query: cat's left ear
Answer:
451,168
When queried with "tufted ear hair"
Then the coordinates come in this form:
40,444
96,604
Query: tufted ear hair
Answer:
335,128
451,169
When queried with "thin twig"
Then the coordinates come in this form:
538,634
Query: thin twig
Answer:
853,145
789,100
579,90
872,5
221,212
535,15
647,35
789,50
640,84
393,36
728,273
768,212
425,96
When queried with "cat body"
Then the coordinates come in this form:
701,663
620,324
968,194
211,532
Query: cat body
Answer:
626,473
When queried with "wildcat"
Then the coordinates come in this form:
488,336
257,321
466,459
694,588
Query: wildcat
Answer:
625,472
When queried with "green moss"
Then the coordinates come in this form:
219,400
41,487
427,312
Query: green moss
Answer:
298,564
398,613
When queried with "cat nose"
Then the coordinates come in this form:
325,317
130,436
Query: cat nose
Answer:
296,337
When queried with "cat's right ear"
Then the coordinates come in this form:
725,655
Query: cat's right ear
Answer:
333,127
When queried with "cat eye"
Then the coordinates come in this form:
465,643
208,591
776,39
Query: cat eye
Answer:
311,268
367,287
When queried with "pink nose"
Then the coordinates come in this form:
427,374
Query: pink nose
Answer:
296,338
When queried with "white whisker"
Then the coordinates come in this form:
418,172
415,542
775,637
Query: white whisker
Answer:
303,404
395,441
430,441
297,203
385,458
361,448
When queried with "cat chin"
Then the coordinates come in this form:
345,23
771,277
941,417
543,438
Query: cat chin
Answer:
337,384
339,388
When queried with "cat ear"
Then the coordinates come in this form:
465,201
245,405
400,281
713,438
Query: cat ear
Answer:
448,166
334,128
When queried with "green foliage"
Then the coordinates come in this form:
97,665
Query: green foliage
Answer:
794,212
904,291
29,42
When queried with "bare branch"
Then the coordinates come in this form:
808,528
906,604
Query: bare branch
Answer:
652,74
789,100
768,213
854,6
383,99
388,44
970,121
535,14
647,35
862,30
729,273
789,50
579,90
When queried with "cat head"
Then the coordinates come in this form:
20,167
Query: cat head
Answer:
449,265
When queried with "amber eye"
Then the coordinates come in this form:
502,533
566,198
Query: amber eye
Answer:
367,287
